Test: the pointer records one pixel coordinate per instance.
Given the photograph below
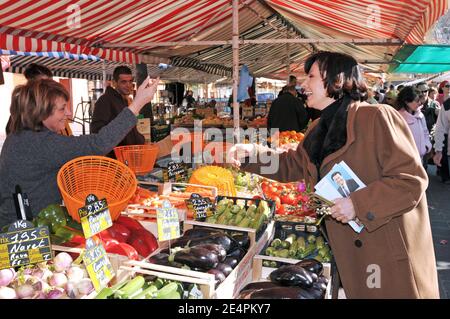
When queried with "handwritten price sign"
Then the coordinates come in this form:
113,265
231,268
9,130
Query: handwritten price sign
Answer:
24,244
168,222
95,216
97,264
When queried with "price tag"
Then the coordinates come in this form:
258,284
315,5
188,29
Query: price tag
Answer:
201,206
175,172
167,222
95,216
97,264
24,244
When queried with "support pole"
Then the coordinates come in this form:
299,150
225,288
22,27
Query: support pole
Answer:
104,75
235,46
288,57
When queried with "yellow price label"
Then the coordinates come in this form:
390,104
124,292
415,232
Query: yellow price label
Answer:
168,222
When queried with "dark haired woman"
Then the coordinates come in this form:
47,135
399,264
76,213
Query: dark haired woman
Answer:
393,256
408,105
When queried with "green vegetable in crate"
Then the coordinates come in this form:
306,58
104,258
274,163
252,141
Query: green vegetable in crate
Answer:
235,209
283,253
301,243
211,219
245,222
311,238
285,244
293,249
273,264
259,221
131,288
251,209
170,291
263,207
324,251
276,243
320,242
239,217
269,251
310,248
266,263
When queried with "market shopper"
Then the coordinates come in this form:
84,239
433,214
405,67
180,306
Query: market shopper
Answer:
33,152
430,108
441,134
33,71
393,256
409,106
111,104
287,112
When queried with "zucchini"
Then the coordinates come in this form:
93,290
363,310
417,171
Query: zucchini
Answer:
169,291
133,286
276,243
293,249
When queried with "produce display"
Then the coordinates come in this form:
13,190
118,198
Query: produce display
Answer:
61,226
126,237
303,280
150,287
207,250
286,137
258,122
245,182
64,278
229,213
298,247
213,176
291,200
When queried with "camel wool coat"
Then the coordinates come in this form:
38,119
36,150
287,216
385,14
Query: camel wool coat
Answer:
393,256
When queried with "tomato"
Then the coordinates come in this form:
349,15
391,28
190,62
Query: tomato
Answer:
281,210
289,199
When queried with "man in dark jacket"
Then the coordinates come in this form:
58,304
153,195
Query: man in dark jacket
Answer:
112,102
288,112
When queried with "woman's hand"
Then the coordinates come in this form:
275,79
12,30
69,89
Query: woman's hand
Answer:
238,152
144,94
343,210
437,158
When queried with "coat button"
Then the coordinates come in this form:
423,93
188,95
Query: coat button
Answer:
370,216
358,243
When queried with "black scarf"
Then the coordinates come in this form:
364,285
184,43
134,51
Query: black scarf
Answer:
330,134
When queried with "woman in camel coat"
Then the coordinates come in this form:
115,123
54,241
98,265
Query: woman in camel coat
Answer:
393,256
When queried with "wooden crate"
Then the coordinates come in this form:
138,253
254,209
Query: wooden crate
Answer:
205,281
241,274
261,273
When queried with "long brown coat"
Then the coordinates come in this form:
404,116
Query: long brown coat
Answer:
393,257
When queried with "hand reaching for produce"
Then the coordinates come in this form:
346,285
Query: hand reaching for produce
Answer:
144,94
238,152
343,210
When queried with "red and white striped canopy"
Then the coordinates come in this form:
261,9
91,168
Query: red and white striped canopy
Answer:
112,30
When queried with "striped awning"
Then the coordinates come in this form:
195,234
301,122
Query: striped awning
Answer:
123,31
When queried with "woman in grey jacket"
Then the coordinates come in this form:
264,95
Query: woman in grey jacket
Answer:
34,152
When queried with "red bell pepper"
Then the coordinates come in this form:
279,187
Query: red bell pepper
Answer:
116,231
148,238
141,247
123,249
130,223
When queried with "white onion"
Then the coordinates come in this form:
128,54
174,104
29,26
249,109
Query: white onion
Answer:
85,286
25,291
75,273
7,293
62,261
58,280
6,276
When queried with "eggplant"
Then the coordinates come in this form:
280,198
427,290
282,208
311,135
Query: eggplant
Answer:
224,268
199,232
217,249
318,289
222,239
237,253
323,280
197,257
280,293
259,285
163,260
311,265
231,261
218,275
241,240
292,275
